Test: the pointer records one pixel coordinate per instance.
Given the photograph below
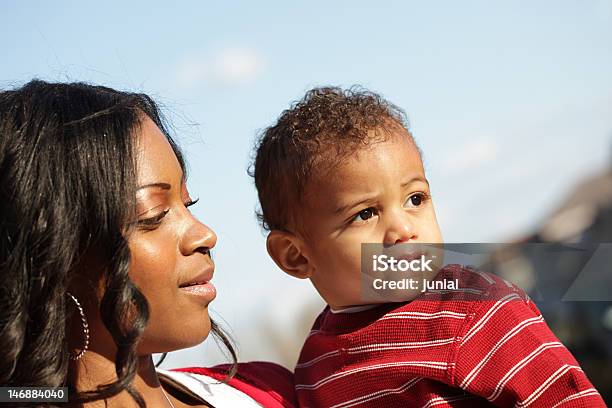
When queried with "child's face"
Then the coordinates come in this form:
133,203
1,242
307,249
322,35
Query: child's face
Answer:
377,195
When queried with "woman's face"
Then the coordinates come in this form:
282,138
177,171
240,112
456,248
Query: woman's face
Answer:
170,249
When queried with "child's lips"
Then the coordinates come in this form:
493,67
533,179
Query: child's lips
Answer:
410,256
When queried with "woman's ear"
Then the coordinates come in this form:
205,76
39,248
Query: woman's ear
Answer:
286,249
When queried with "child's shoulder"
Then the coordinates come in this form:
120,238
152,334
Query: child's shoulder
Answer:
464,293
488,301
457,282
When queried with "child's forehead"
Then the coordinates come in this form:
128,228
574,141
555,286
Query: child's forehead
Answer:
368,169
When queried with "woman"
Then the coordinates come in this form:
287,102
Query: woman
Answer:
102,262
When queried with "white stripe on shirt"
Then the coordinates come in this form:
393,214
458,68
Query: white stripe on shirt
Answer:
517,329
426,364
546,385
423,316
479,325
378,347
378,394
586,393
500,386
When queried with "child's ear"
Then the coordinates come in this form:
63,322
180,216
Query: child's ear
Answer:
286,250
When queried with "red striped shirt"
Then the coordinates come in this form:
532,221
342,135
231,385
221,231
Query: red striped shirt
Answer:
484,346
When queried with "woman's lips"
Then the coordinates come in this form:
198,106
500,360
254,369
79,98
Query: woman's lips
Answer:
205,290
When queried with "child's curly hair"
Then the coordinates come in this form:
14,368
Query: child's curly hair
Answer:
316,132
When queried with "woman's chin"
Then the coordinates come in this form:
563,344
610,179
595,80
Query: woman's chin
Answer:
176,338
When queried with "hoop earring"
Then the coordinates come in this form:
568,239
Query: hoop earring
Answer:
80,354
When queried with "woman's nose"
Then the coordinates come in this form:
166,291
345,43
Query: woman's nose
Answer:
198,238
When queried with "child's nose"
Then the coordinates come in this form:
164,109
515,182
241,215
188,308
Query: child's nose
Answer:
400,230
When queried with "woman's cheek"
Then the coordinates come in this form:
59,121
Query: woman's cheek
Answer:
147,257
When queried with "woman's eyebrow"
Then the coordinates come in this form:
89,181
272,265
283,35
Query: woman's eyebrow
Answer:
164,186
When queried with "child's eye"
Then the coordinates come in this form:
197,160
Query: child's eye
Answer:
364,215
152,222
416,200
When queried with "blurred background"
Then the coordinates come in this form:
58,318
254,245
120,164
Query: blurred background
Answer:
511,102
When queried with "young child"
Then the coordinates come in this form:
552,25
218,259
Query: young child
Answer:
339,169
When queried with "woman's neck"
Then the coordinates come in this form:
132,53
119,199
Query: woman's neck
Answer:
96,369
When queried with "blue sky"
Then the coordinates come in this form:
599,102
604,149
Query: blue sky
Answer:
510,100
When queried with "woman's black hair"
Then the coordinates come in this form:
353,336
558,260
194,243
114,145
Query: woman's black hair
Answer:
67,186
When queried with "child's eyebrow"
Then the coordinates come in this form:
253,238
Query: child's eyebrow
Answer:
414,179
343,208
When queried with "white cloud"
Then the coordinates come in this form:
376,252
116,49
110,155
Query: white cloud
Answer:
234,65
229,66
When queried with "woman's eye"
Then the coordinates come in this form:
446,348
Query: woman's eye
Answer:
364,215
152,222
416,200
